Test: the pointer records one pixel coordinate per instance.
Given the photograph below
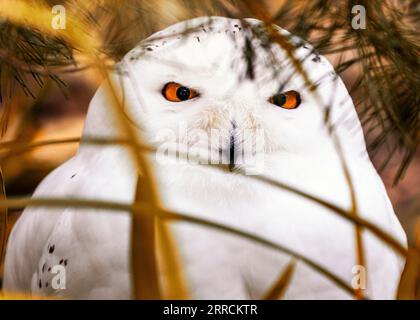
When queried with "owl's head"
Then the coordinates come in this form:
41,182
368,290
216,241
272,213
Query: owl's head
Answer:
232,89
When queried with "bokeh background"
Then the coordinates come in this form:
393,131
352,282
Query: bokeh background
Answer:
45,108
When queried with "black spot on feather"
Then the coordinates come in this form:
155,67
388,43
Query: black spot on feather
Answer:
249,58
316,59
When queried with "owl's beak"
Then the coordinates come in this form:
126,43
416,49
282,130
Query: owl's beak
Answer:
232,148
232,154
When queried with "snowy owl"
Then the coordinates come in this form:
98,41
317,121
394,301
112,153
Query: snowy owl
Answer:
219,86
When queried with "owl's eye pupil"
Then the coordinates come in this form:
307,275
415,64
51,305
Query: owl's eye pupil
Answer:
279,99
183,93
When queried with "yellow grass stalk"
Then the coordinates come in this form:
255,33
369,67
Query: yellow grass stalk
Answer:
173,283
279,287
410,280
3,220
143,254
21,296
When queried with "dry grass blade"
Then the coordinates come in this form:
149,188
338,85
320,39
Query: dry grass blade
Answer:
360,253
16,148
409,284
143,259
358,292
3,220
143,254
146,191
27,146
173,283
21,296
278,289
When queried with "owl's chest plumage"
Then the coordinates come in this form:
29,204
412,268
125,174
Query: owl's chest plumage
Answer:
280,216
216,263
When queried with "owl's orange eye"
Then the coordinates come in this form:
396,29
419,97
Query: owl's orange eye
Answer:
287,100
175,92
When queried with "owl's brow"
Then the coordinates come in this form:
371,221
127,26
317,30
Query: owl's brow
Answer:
204,71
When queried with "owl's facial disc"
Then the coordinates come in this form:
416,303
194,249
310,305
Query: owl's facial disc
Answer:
233,149
189,89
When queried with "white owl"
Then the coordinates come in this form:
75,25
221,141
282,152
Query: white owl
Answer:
224,92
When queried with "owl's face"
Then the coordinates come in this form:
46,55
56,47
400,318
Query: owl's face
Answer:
218,88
